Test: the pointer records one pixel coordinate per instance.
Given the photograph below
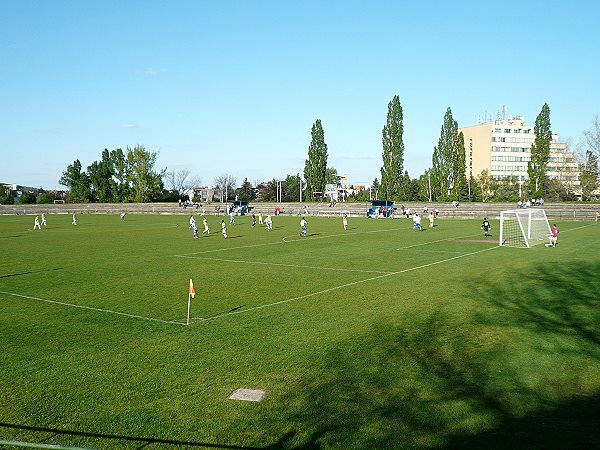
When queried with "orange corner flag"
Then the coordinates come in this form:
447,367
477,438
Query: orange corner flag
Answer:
192,290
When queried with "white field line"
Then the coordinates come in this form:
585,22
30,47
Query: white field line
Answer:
228,248
577,228
284,239
90,308
297,266
341,286
439,240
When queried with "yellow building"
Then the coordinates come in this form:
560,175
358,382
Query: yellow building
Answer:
502,147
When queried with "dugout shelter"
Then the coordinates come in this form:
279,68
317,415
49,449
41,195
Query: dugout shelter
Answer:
381,208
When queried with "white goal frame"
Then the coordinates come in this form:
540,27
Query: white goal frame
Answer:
523,227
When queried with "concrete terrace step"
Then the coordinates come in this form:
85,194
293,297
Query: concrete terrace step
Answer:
554,211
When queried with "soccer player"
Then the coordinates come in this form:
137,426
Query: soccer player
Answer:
193,227
74,221
268,223
36,223
345,222
260,219
44,220
122,215
303,227
417,222
553,237
486,227
224,229
205,223
253,220
431,219
231,216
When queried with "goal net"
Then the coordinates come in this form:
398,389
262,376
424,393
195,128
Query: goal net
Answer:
523,227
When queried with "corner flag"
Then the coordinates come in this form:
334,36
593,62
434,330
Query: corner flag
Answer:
191,294
192,290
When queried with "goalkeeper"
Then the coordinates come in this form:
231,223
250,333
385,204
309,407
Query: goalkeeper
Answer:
486,227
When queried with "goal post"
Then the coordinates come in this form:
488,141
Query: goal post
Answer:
523,227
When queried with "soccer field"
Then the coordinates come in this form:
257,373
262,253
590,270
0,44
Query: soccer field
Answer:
375,337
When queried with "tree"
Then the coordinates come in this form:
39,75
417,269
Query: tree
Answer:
7,197
101,174
332,176
591,138
146,184
443,157
486,186
77,182
291,188
588,177
226,184
315,168
460,188
121,175
393,151
375,188
245,192
27,198
45,198
425,186
540,153
177,180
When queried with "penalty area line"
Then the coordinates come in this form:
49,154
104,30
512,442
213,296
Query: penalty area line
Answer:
296,266
341,286
91,308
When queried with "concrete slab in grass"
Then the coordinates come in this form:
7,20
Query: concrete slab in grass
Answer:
248,395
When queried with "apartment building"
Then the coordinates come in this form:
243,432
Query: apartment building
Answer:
502,147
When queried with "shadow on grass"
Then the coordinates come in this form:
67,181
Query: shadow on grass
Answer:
143,441
519,369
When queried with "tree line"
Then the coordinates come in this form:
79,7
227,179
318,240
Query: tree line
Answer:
130,176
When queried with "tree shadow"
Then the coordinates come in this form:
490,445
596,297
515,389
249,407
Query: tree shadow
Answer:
456,379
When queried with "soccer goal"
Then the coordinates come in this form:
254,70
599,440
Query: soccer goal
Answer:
523,227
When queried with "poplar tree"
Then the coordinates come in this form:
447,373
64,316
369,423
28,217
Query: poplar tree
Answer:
540,154
315,168
443,157
393,151
460,188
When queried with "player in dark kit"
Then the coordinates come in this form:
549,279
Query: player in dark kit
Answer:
486,227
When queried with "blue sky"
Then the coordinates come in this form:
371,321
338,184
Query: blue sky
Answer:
233,87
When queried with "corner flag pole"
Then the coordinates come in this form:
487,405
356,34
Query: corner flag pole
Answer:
191,294
188,311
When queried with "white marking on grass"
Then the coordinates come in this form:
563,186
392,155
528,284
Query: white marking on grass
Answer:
228,248
38,445
90,308
439,240
297,266
310,238
577,228
341,286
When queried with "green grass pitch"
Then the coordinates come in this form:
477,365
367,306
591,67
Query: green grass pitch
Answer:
375,337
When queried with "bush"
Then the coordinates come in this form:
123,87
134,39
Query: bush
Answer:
27,198
46,198
6,199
